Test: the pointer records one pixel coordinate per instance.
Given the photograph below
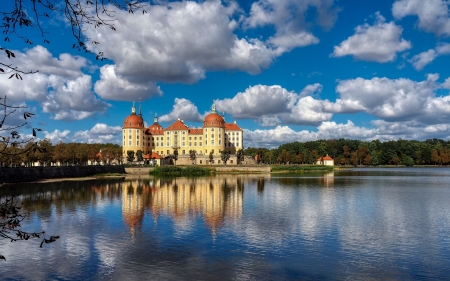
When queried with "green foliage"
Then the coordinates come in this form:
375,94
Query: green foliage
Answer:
225,155
139,155
180,171
130,155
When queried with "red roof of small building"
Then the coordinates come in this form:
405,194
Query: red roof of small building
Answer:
325,158
152,156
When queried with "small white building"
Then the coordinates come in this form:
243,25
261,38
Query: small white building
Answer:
327,161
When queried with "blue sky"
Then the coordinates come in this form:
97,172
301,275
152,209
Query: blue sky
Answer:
285,70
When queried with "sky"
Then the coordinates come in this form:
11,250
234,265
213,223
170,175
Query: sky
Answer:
284,70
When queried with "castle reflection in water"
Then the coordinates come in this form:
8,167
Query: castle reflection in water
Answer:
214,198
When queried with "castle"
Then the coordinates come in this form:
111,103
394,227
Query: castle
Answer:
159,144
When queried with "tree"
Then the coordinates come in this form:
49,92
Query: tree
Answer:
130,155
211,156
240,156
192,155
175,155
225,155
9,136
139,156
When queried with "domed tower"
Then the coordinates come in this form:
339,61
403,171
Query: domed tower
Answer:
213,132
133,133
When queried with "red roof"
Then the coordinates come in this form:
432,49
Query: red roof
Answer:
152,156
325,158
232,127
155,129
178,125
133,121
214,120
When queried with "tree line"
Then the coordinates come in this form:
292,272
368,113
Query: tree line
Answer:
358,152
63,153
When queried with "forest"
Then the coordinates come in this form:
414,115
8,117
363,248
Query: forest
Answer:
357,152
46,153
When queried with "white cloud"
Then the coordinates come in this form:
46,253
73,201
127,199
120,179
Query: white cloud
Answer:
289,19
380,42
60,86
421,60
310,90
183,109
112,87
393,100
433,14
72,100
100,133
446,84
273,105
57,136
175,42
257,101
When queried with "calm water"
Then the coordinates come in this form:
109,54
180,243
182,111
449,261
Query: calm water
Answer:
346,225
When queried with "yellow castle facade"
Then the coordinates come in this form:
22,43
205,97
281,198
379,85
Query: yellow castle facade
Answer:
157,142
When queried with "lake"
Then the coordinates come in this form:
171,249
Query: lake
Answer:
358,224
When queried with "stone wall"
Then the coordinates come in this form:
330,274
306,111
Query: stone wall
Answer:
243,169
26,174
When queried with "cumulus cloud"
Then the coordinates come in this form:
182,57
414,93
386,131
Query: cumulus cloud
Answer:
183,109
100,133
289,20
273,105
392,100
421,60
174,42
60,86
380,42
257,101
112,87
433,14
57,136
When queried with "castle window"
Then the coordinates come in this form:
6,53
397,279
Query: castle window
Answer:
190,143
183,144
129,137
212,135
220,142
190,138
129,143
195,143
201,145
206,142
168,151
137,143
200,138
184,151
212,142
200,161
123,136
123,143
195,138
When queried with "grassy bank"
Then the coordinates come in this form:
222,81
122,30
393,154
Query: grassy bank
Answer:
180,171
299,168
